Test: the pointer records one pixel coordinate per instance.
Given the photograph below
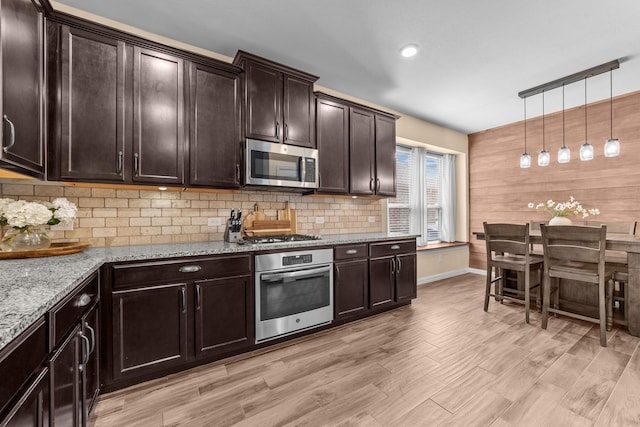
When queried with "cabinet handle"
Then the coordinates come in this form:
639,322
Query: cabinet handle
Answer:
198,296
238,172
120,158
395,247
183,299
190,269
87,346
337,273
377,185
286,131
371,185
12,135
393,266
83,301
136,163
399,265
93,337
277,129
351,251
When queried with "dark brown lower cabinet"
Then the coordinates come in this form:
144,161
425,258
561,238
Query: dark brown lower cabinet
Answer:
91,362
149,328
224,315
32,408
382,281
65,370
351,287
406,277
392,269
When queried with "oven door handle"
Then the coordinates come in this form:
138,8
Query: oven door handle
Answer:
299,274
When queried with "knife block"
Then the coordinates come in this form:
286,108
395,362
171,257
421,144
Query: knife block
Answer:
231,236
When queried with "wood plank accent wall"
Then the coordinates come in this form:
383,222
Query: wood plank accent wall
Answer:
499,190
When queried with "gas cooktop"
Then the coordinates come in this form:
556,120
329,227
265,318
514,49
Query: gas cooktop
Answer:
278,238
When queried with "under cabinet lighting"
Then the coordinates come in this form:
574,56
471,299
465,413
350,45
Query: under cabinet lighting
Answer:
162,188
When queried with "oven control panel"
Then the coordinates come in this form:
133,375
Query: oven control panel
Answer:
297,259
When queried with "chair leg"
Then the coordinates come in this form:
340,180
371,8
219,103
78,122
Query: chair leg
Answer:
546,285
603,312
488,289
624,303
500,286
610,285
556,296
527,297
539,292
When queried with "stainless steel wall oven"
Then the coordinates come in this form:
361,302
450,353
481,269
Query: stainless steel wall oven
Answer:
294,292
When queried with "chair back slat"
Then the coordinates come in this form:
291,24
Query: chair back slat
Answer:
615,227
511,238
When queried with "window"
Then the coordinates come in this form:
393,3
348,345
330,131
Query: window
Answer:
421,190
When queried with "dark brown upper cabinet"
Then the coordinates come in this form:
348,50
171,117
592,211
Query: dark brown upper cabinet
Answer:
22,70
356,148
123,110
278,101
332,140
214,130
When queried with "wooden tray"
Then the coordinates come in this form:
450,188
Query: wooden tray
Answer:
55,249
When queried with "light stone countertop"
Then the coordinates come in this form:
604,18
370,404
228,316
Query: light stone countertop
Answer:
30,287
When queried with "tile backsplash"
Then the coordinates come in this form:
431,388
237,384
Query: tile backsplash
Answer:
115,217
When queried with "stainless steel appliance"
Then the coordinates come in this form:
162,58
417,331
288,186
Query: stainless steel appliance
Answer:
294,292
279,238
280,165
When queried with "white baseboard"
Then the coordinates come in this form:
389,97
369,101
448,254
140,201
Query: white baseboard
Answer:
449,274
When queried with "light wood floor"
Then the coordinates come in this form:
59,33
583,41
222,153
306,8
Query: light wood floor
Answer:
442,361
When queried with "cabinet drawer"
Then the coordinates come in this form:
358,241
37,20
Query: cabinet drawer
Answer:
20,360
392,248
350,252
64,315
130,275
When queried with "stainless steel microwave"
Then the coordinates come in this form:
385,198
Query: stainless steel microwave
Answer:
280,165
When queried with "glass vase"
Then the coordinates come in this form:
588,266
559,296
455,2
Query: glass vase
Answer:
24,239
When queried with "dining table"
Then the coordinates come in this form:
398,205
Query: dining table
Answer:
617,242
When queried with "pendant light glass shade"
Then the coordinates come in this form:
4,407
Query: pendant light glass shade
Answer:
544,158
564,155
586,152
612,146
525,160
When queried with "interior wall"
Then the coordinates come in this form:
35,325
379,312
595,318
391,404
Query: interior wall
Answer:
500,190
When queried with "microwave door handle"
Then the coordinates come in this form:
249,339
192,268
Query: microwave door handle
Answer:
303,169
300,274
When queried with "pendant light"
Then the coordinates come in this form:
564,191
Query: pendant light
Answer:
525,159
586,150
543,156
564,154
612,146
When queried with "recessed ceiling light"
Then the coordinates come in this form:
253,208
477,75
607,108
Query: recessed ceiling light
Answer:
409,50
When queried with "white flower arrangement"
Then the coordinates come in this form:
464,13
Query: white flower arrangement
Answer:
21,214
570,208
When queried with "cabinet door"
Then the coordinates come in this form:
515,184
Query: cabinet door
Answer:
224,315
298,107
158,117
381,283
149,329
385,153
32,408
263,103
92,108
361,151
215,128
21,38
91,362
406,280
351,288
332,139
65,381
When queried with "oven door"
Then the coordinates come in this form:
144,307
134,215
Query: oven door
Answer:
288,301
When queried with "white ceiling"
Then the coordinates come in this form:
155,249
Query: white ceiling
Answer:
475,56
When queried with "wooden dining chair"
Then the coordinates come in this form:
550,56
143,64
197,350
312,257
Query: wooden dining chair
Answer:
618,261
577,253
508,248
536,249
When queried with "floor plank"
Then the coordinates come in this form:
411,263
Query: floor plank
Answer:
440,361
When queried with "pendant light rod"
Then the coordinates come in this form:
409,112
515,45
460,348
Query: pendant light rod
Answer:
543,148
611,103
594,71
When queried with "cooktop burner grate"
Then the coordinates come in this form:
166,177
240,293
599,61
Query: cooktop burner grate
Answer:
279,238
